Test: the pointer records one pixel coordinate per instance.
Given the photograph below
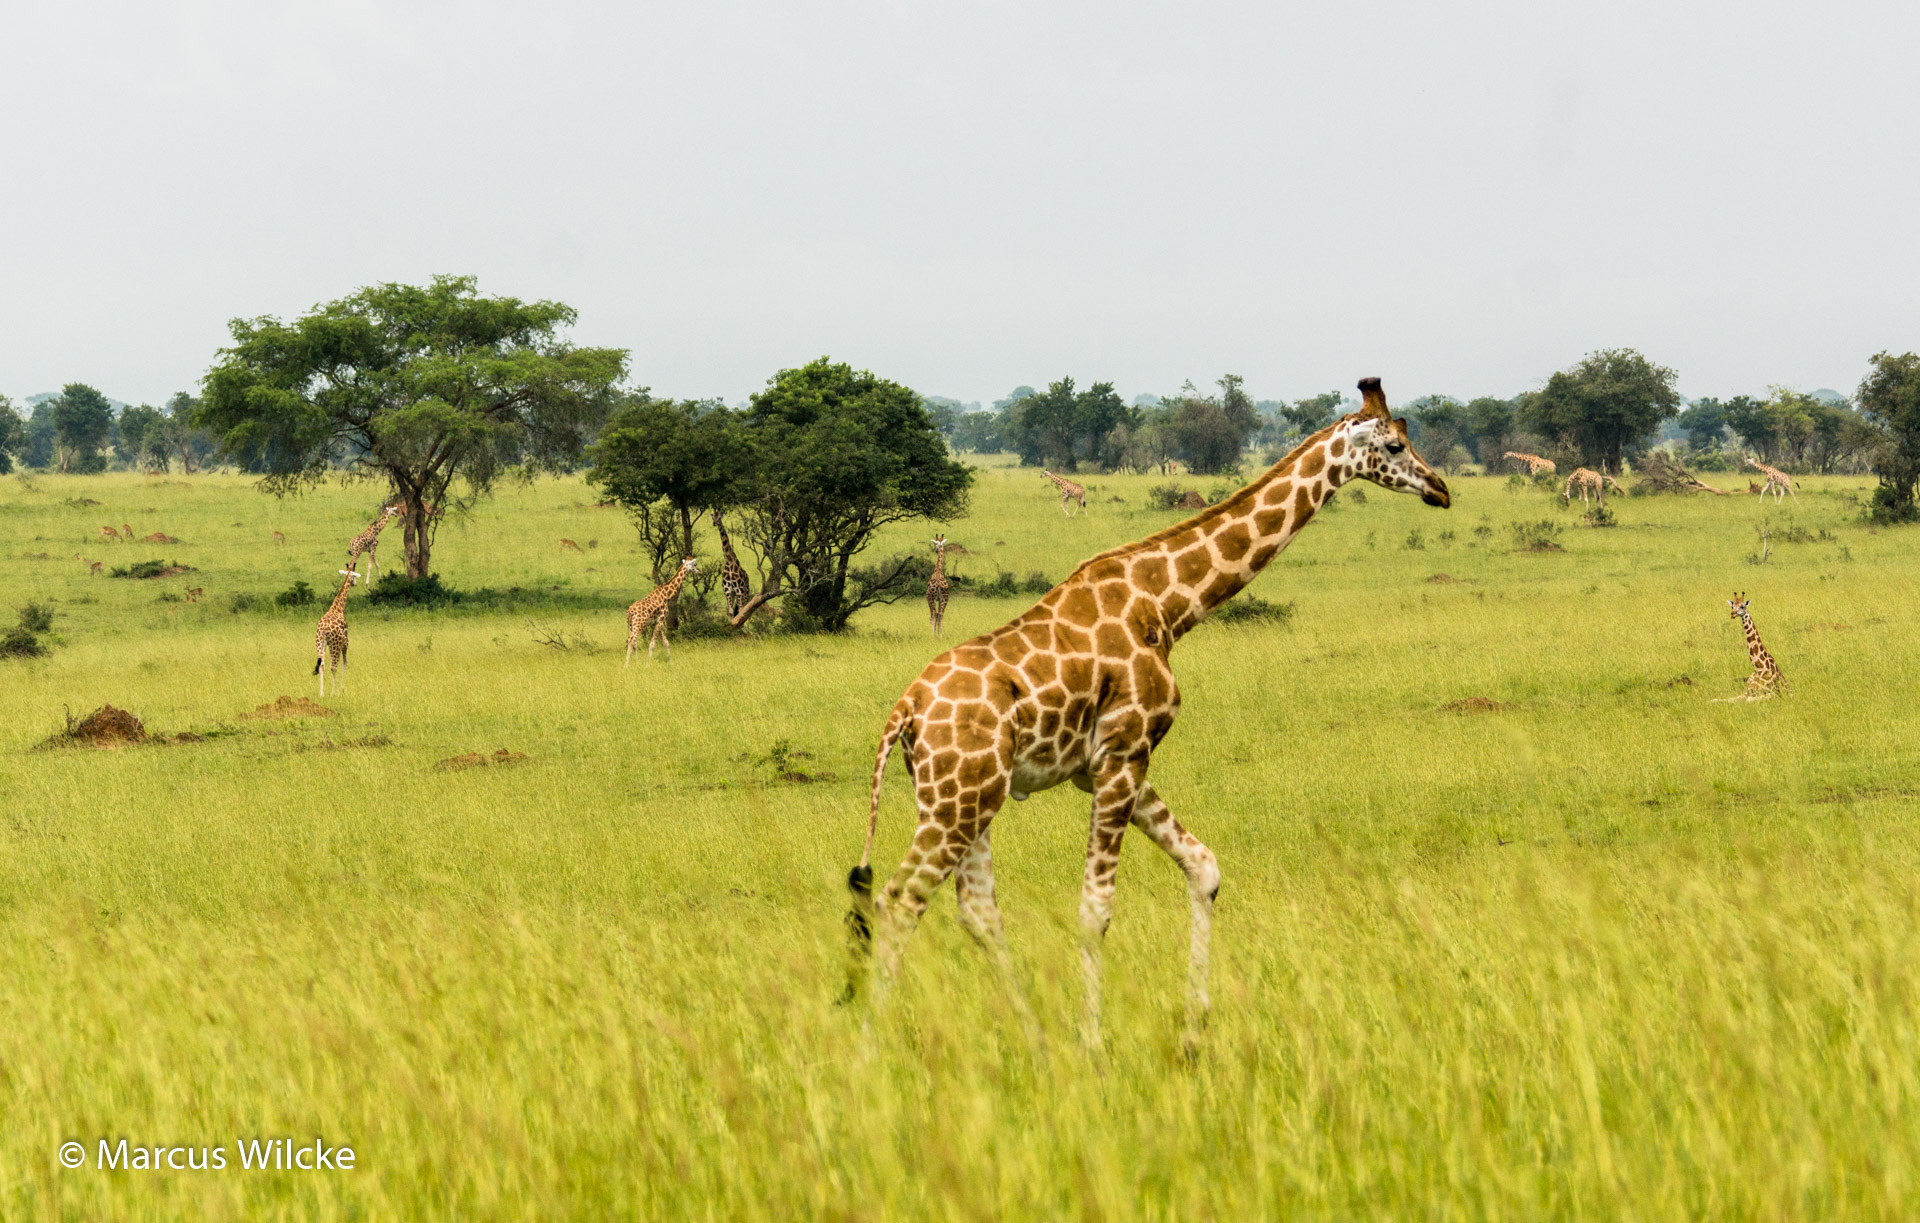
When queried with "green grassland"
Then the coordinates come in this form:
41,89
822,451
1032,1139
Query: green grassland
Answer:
1607,950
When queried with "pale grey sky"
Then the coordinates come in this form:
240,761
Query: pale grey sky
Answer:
1457,197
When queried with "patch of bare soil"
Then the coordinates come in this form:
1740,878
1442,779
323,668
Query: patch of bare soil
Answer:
474,760
1474,704
290,707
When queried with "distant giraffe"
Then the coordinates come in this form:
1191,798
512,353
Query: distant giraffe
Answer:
653,610
368,541
1535,464
330,636
1069,492
1779,483
937,586
1766,680
1585,480
734,587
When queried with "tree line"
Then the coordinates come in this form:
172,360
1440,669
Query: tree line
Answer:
78,431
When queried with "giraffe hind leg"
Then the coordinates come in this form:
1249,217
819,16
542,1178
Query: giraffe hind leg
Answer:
1196,861
980,915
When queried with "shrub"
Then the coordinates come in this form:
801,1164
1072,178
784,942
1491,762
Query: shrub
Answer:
242,601
1415,541
1541,536
1600,516
36,618
19,642
403,591
1252,609
297,595
1006,586
1166,496
151,569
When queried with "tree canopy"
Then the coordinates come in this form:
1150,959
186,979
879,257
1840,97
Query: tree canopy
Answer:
1889,400
1061,427
13,434
1607,404
82,425
669,461
418,385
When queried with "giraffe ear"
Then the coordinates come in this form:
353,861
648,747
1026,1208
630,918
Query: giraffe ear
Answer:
1373,404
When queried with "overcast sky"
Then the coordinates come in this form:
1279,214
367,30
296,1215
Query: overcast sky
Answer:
1460,198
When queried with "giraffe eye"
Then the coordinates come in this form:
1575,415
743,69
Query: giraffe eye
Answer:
1395,447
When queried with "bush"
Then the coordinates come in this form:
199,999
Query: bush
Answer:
23,639
1541,536
1006,586
297,595
36,618
1252,609
151,569
1600,516
244,602
403,591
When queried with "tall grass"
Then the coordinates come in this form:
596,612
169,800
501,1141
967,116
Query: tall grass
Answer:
1591,947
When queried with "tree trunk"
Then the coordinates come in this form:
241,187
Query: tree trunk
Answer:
419,546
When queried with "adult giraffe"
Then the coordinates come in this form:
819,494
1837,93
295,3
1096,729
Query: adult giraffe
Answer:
1079,689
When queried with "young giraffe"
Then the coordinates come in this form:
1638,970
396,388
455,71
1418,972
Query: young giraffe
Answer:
653,610
1535,464
1779,483
330,636
1069,492
1586,480
937,587
734,587
368,541
1080,689
1766,680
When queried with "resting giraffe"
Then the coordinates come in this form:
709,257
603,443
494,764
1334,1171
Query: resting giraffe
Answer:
368,541
1766,680
734,587
653,610
1079,689
1069,492
938,588
1585,480
1535,464
330,636
1779,483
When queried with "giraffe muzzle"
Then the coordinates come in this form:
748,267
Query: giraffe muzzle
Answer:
1436,493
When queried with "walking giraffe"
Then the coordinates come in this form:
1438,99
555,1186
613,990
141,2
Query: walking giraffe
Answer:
1069,492
1585,480
368,542
1766,680
938,588
653,610
1779,483
1080,689
734,587
330,636
1535,464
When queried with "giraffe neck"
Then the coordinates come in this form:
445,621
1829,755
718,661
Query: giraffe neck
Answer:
672,587
340,599
939,564
1755,651
1212,556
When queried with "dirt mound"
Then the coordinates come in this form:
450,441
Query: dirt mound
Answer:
104,727
474,760
1192,501
290,707
159,537
1474,704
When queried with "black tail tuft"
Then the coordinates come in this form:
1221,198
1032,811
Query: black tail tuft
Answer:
316,666
859,930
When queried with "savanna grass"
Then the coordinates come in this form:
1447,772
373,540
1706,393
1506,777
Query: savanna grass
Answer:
1589,946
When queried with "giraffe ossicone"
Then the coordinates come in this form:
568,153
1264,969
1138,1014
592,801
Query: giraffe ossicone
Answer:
1080,689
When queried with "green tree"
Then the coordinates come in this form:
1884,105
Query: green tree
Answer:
143,441
668,462
1061,427
41,435
1489,423
1889,399
419,385
13,434
1306,417
1610,402
82,423
1704,422
979,433
184,440
1211,431
838,454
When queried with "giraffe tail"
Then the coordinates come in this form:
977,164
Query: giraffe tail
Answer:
896,726
860,879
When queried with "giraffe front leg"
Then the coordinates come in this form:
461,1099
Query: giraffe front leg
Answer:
937,849
980,915
1196,861
1116,786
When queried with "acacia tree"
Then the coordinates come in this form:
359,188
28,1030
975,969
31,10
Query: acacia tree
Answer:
1609,402
835,455
1889,398
82,423
417,385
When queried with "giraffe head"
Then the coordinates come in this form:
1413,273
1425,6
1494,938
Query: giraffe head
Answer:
352,577
1737,605
1384,454
689,565
939,544
392,508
